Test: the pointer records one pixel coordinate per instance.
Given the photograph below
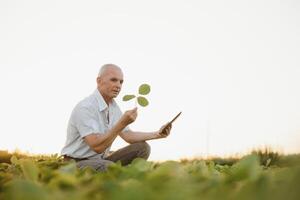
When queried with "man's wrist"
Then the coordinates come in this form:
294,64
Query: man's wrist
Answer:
117,128
156,135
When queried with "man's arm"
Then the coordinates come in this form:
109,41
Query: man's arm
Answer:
99,142
133,136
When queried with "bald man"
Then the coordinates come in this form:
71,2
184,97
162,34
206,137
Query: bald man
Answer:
97,120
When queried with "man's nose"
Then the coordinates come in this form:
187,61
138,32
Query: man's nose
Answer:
119,85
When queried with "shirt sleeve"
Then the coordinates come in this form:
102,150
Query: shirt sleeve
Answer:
86,122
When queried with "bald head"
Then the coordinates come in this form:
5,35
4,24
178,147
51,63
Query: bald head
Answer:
109,81
107,67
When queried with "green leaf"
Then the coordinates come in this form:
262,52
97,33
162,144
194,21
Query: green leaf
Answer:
14,160
142,101
128,97
144,89
141,165
30,170
24,189
63,181
247,168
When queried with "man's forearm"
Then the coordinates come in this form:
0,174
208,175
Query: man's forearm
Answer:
105,140
99,142
133,137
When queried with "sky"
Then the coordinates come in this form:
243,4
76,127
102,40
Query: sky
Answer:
231,67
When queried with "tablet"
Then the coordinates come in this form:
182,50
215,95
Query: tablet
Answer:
175,118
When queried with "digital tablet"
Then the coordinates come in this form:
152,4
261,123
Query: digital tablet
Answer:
174,118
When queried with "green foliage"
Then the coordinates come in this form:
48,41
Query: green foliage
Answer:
52,178
247,168
14,160
24,189
128,97
144,89
142,101
29,169
266,156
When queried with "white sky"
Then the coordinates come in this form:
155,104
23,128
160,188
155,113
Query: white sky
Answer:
231,67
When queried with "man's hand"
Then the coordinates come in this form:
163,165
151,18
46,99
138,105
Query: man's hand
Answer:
164,131
100,142
129,116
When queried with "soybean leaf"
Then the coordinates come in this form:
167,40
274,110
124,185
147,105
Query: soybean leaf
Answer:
142,101
30,170
25,189
14,160
128,97
144,89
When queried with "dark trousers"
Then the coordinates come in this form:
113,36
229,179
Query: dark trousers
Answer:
126,155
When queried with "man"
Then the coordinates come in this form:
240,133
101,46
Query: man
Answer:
97,120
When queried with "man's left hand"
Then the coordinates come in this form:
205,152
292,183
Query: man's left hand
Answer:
164,131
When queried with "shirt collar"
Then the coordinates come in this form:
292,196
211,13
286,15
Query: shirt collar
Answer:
101,102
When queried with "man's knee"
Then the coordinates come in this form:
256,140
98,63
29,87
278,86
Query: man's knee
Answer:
144,150
98,165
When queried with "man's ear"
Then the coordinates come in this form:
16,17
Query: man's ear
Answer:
98,80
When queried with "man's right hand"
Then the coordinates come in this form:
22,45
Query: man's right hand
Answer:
129,116
99,142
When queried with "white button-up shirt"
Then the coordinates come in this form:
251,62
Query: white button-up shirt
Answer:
91,115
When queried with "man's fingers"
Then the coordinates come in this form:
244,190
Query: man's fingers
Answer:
132,110
166,130
130,115
167,126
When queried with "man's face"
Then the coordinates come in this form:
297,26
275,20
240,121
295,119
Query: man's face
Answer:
110,83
